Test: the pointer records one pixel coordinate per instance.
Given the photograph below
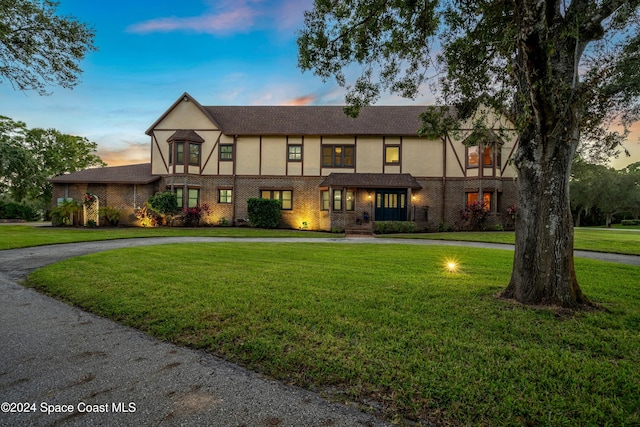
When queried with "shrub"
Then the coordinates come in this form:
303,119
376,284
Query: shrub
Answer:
63,214
111,215
631,222
443,227
474,216
165,203
264,213
12,210
389,227
191,217
148,217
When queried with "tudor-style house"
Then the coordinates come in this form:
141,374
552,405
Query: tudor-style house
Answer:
328,170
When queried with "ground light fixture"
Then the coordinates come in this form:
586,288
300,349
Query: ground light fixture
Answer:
451,265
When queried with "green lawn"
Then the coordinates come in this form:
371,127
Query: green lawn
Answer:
383,324
587,239
21,236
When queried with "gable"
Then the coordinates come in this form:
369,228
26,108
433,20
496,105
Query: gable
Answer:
185,113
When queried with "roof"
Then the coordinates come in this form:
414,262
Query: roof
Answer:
129,174
308,120
371,180
185,135
317,120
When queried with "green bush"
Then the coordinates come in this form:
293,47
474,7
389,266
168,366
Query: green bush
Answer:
391,227
12,210
631,222
264,213
165,203
63,214
111,215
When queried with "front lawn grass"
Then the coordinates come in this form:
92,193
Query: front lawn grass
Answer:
586,239
381,324
22,236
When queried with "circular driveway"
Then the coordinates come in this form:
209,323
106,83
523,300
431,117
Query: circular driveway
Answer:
60,365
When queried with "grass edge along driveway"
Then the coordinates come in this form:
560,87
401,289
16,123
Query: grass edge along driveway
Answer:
383,324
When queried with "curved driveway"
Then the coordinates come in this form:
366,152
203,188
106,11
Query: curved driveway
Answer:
72,368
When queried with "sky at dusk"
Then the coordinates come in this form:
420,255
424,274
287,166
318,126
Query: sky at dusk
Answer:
225,52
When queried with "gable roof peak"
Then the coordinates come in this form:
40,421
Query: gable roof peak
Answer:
185,97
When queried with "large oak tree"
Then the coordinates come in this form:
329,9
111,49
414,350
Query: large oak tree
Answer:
563,70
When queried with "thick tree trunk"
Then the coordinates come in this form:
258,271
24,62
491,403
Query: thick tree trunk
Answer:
543,270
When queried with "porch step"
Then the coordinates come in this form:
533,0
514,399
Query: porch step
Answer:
359,230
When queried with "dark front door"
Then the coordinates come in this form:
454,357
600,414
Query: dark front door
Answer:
391,205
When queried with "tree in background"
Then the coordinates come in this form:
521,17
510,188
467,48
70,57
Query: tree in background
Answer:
612,192
39,48
561,69
29,157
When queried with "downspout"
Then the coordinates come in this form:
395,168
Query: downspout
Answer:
444,176
235,178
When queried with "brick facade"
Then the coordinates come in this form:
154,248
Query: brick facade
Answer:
125,197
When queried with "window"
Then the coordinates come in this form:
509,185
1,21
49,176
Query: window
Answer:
285,197
179,195
194,197
225,196
473,197
194,154
179,153
337,200
226,152
351,200
473,156
324,200
295,153
338,156
392,154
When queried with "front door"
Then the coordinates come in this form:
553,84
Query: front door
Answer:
391,205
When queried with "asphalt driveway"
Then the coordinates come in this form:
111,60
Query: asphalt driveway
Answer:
62,366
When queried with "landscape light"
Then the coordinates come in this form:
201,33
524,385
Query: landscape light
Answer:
451,265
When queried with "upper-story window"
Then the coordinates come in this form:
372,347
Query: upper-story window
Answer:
226,152
392,154
338,156
473,156
294,153
194,154
177,151
185,148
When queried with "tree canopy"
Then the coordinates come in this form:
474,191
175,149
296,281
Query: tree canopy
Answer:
603,189
563,71
38,48
29,157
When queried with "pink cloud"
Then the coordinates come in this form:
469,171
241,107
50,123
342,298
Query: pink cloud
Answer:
232,16
132,153
301,100
239,18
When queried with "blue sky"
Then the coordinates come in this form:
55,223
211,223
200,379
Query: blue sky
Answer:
225,52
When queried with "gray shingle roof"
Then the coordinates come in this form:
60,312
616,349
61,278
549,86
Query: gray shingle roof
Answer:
371,180
317,120
185,135
129,174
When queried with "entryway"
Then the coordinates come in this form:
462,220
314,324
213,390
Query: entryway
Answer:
391,205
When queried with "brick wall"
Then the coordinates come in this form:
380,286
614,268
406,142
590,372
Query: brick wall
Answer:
426,206
125,198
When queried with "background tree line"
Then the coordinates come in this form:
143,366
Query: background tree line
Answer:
29,157
601,195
